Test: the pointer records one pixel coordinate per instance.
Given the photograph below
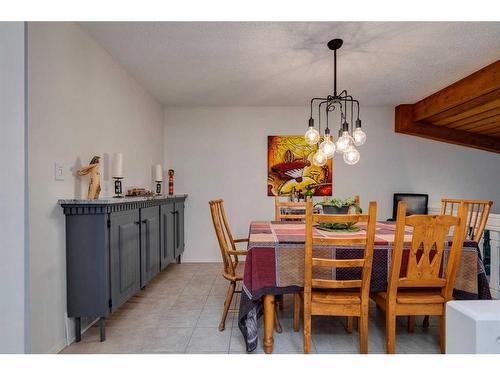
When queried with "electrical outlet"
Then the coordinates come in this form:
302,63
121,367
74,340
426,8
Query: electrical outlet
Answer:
58,171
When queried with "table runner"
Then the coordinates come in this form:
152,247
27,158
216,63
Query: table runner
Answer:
275,265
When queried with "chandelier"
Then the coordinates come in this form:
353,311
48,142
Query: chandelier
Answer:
348,138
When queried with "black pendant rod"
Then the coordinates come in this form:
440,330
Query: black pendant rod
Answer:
335,72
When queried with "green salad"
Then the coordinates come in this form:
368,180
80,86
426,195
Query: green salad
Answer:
338,227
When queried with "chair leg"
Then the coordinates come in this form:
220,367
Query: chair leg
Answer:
363,333
277,324
281,303
348,324
411,323
227,303
442,334
307,325
296,312
390,331
425,323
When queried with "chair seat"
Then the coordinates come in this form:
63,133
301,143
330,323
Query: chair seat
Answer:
415,296
238,273
336,297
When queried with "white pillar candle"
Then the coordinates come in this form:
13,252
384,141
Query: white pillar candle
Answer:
117,169
158,173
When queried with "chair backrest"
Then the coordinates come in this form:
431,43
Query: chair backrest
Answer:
279,215
416,204
365,241
476,217
223,233
424,268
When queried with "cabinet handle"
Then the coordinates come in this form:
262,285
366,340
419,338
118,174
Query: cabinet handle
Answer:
145,221
177,229
138,223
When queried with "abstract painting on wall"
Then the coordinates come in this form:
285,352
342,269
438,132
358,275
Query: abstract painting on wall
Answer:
290,167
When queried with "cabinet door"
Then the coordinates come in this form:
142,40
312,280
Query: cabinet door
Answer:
124,251
179,228
167,242
150,243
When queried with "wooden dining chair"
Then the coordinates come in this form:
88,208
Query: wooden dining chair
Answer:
421,286
279,205
337,297
231,270
477,216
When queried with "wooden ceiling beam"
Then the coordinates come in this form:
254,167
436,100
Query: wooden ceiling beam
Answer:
475,118
493,120
480,83
406,125
460,115
465,113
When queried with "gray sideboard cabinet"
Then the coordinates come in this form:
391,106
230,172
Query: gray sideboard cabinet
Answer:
114,247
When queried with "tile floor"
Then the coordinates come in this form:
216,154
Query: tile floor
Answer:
179,312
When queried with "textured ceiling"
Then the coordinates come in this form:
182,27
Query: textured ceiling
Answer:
273,63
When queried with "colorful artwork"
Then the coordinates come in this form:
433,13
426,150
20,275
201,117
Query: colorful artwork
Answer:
289,166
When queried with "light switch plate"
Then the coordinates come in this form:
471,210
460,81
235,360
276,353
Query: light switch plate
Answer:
58,171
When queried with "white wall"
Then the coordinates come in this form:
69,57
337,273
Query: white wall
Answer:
14,325
81,103
221,152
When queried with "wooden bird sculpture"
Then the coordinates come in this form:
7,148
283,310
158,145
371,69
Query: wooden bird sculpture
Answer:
95,177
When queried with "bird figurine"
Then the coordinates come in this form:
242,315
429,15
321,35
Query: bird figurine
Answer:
95,176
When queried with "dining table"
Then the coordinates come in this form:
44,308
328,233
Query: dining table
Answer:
274,266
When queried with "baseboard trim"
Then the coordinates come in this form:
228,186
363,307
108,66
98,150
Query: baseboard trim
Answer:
61,345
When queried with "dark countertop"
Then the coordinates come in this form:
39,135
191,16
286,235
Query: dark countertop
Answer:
110,200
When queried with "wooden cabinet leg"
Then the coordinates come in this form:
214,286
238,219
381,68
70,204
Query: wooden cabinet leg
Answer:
78,329
179,259
102,328
268,323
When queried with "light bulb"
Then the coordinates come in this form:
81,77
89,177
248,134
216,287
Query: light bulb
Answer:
343,142
351,155
312,136
319,159
359,137
327,147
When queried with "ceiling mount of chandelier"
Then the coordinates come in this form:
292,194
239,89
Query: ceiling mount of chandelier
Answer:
350,134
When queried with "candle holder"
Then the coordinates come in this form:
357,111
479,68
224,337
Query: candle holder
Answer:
118,187
158,187
170,182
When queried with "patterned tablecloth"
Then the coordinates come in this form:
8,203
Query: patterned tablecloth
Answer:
275,265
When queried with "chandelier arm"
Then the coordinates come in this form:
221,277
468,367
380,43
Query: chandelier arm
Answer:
343,92
312,101
357,106
352,115
345,119
341,113
319,114
327,107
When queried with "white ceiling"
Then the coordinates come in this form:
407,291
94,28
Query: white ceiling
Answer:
273,63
